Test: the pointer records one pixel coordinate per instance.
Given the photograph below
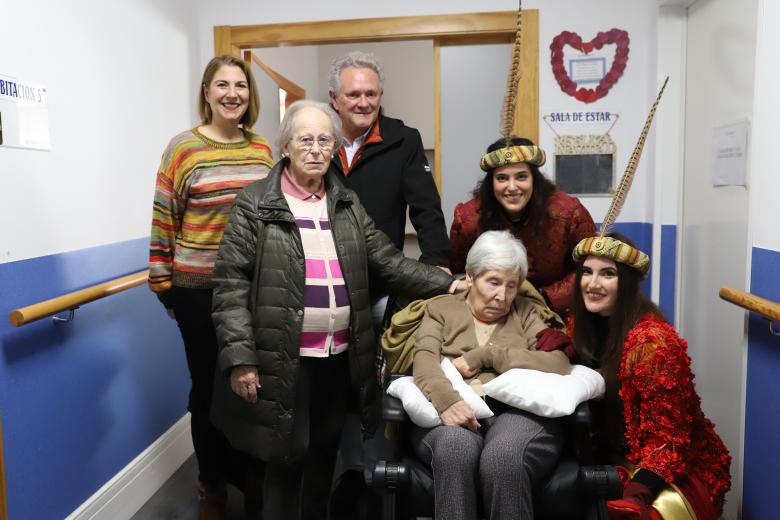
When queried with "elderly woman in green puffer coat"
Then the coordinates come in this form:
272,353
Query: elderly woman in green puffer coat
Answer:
292,313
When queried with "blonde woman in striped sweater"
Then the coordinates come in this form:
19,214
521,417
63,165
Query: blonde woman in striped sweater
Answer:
201,172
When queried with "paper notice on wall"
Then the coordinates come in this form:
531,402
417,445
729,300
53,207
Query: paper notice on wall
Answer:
729,154
587,70
24,114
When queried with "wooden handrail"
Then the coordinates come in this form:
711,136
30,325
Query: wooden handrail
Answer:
294,91
766,308
70,301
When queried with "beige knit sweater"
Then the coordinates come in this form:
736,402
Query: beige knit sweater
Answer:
448,330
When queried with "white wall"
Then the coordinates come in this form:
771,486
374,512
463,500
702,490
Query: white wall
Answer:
298,64
630,97
122,79
719,90
670,136
267,123
121,82
469,123
764,180
240,12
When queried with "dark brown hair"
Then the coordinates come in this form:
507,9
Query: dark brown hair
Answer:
598,340
492,214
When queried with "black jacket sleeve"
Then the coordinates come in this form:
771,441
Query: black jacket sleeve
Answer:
424,203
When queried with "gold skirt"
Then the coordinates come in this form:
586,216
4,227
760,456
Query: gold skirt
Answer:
670,503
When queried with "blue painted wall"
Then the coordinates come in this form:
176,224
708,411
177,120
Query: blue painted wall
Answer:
762,407
641,233
668,259
79,401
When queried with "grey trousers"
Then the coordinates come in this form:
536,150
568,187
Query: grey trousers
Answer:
499,468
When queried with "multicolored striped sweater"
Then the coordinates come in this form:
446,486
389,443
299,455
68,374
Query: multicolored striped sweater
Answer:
196,184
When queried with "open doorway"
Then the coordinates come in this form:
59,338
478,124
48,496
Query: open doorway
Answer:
443,31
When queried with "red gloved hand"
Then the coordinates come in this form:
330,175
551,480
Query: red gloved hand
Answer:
635,504
549,339
625,510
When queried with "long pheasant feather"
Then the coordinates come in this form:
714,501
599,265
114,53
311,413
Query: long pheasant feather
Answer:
628,176
513,80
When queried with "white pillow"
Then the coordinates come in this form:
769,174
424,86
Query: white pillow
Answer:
545,394
421,411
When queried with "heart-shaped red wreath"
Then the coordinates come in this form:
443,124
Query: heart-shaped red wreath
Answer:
589,95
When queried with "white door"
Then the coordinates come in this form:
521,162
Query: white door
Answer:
714,238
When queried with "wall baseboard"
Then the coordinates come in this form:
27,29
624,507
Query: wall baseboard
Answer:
122,496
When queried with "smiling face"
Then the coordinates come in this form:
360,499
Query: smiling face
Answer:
357,100
599,285
311,129
513,186
492,293
227,95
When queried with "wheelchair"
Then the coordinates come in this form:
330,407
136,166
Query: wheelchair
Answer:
573,491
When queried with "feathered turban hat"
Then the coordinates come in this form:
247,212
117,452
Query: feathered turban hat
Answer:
612,248
511,154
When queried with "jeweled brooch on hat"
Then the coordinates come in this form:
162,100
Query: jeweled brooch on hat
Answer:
512,155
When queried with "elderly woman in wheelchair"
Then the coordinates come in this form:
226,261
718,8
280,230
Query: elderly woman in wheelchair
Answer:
485,332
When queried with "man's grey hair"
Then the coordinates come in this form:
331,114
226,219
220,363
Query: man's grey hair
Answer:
357,59
287,126
499,251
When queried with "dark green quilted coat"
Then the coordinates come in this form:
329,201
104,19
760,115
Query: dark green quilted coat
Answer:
258,308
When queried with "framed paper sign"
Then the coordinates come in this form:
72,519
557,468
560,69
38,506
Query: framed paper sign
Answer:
24,114
587,70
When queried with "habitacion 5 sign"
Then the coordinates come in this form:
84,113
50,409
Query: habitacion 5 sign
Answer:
24,114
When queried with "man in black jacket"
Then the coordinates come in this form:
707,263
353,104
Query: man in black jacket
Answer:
383,161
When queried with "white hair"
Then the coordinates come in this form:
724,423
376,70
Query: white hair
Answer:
357,59
287,126
497,250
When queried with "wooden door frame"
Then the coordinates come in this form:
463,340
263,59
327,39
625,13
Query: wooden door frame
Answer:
451,29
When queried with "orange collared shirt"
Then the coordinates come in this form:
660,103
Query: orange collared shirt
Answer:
373,137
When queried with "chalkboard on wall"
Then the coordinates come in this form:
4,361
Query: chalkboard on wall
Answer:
585,174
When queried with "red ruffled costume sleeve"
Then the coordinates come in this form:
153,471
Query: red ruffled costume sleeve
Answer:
666,430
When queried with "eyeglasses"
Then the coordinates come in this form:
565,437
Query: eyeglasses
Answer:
306,142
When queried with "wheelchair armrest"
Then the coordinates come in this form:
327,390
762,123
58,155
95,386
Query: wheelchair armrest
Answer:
393,410
582,415
601,481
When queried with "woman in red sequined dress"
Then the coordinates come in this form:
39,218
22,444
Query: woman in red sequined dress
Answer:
651,417
516,196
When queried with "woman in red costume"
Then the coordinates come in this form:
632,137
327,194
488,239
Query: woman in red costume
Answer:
514,195
651,418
